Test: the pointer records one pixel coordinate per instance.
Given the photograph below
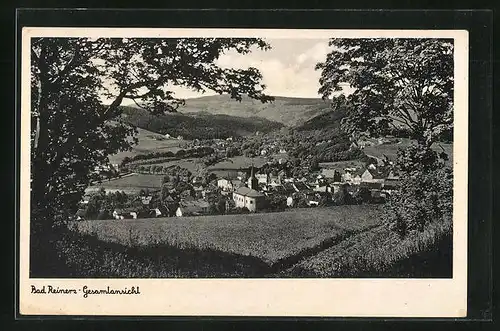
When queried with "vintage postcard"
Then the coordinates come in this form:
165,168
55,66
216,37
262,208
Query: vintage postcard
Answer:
243,172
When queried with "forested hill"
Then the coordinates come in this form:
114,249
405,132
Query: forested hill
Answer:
201,125
325,121
288,111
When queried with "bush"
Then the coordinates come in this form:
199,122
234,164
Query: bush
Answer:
103,215
424,198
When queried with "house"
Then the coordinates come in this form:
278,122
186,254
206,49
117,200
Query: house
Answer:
274,180
156,212
237,183
247,197
206,192
392,182
198,191
241,175
312,199
85,200
301,187
225,184
263,152
290,202
262,178
352,175
373,175
192,208
146,199
122,213
323,188
328,173
197,180
180,138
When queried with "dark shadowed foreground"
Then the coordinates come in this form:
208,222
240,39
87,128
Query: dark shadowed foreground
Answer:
328,248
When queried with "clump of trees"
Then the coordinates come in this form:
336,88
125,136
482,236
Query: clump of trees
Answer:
72,131
401,87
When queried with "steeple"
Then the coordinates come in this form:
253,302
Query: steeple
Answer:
253,183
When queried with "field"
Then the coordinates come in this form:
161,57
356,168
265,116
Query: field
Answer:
131,183
271,237
190,164
238,162
148,142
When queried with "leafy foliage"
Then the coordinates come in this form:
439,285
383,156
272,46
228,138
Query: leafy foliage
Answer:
424,198
72,131
399,83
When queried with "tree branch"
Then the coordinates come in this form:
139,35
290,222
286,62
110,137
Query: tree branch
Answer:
70,65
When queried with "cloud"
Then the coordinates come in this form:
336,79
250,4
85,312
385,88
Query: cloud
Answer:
315,54
294,78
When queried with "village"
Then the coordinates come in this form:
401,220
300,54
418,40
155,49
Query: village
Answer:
267,185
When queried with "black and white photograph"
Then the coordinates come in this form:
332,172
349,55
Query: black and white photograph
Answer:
248,156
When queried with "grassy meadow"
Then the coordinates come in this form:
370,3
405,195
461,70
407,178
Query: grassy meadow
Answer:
270,237
148,142
191,164
238,162
130,183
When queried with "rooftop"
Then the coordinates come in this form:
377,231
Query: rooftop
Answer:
249,192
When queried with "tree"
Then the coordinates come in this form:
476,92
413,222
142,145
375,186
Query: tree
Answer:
398,83
73,131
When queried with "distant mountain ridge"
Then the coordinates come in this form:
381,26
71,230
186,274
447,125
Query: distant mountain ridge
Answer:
289,111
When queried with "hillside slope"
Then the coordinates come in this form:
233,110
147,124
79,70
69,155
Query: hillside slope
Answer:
198,126
288,111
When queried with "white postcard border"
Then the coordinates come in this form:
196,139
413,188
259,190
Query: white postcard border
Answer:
259,297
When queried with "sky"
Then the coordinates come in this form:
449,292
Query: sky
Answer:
287,68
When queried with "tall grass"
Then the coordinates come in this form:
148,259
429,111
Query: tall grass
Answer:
382,253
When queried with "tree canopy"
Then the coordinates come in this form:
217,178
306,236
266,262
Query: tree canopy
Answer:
398,83
73,131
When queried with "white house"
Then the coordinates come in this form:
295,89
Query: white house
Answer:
262,178
372,176
157,212
190,208
225,184
249,198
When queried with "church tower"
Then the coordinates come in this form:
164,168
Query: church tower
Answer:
253,183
